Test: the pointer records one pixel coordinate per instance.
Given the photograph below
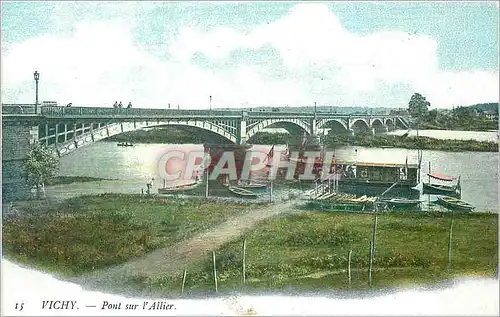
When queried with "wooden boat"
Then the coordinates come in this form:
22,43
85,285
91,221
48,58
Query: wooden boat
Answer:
238,191
440,189
124,144
455,203
178,188
253,185
401,202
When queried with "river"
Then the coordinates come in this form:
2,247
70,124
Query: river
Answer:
136,165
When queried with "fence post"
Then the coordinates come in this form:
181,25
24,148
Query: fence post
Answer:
183,281
243,273
215,271
375,222
370,265
349,267
450,243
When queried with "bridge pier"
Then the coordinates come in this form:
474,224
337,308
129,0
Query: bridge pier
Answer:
17,137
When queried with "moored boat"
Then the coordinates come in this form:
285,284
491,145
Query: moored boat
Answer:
241,192
429,188
124,144
253,185
178,188
455,203
442,189
401,202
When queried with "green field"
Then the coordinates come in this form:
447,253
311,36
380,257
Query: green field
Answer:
91,232
309,251
297,251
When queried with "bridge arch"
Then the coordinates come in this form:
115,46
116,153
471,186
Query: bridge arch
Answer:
360,125
377,123
122,127
291,125
331,123
389,122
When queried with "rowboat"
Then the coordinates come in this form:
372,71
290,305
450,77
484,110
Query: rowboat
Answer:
124,144
400,202
253,185
238,191
440,189
455,203
178,188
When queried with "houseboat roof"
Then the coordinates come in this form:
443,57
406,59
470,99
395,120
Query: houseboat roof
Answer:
372,164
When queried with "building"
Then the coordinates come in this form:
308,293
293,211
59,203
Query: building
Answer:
491,115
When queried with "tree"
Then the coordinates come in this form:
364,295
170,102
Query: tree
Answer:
418,106
41,164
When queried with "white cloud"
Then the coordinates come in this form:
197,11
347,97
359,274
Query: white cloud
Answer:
100,62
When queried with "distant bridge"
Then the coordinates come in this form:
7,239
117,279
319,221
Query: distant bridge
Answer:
67,129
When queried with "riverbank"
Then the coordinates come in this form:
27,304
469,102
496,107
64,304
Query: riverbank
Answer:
172,136
297,251
423,143
63,180
383,140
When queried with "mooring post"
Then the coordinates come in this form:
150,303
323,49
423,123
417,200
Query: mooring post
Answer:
271,193
244,259
450,243
206,185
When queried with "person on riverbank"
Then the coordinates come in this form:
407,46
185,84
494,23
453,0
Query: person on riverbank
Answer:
129,105
115,105
149,186
120,105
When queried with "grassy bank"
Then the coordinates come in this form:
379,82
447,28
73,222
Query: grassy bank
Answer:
309,251
92,232
61,180
424,143
168,136
305,250
173,136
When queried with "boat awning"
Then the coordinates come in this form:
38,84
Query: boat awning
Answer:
442,177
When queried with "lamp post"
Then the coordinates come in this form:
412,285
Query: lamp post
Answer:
36,75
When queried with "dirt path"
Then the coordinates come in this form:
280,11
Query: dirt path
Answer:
172,260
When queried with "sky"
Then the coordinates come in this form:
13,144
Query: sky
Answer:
247,54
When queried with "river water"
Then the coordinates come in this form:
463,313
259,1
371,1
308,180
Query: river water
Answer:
138,164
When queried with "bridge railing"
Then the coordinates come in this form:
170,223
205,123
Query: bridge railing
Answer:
131,112
18,108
